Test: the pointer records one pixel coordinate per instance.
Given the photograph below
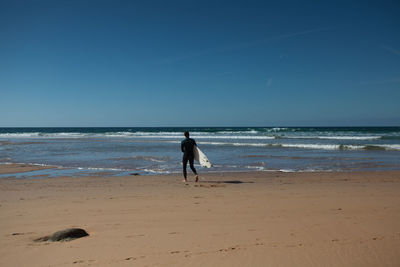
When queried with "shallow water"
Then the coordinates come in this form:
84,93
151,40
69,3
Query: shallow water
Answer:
157,150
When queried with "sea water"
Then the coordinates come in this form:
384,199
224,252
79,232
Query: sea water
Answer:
127,150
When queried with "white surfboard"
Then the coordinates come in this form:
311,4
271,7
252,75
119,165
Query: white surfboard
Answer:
201,158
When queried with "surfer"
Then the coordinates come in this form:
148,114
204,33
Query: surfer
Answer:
187,147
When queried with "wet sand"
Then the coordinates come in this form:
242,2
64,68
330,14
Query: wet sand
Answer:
19,168
227,219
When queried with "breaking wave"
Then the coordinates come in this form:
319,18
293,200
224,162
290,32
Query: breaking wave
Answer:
250,135
311,146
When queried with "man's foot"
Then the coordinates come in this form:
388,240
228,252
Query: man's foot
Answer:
196,178
185,181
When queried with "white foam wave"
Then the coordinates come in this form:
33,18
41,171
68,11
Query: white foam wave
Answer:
19,135
390,147
258,168
226,135
234,144
305,170
312,146
286,170
238,132
180,134
156,171
194,135
307,146
350,137
159,135
278,129
42,135
266,137
242,137
333,137
100,169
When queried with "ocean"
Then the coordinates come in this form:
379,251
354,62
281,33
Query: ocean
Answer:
143,151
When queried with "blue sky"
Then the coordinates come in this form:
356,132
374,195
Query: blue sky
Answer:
199,63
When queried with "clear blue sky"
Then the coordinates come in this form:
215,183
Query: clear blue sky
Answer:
199,63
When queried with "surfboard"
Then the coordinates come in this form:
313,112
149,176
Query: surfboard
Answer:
201,158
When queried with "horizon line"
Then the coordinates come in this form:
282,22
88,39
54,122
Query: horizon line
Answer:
280,126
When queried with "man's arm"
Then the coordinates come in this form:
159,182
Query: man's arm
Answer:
182,147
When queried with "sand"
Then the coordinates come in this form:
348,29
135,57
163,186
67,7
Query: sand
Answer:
227,219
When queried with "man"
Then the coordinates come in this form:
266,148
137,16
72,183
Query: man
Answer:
187,147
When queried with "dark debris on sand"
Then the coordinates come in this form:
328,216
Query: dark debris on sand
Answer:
64,235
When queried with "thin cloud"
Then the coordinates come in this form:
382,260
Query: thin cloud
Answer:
236,46
392,50
290,35
380,82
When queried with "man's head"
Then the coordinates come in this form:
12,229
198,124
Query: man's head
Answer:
186,134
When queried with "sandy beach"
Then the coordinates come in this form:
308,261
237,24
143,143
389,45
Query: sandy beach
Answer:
288,111
227,219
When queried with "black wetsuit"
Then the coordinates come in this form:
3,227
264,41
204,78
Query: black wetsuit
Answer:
187,147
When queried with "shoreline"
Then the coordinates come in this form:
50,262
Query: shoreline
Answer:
11,168
20,168
227,219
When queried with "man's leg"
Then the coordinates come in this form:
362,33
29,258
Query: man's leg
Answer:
191,162
184,164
